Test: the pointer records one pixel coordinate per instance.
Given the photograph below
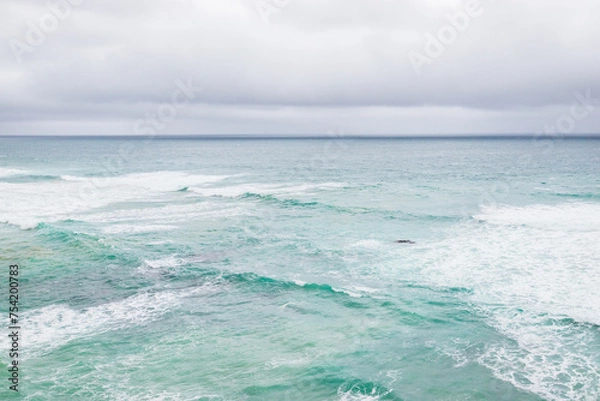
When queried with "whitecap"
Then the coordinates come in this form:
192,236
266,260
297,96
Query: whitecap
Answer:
7,172
28,204
534,274
53,326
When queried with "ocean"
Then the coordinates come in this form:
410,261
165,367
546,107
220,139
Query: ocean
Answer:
259,270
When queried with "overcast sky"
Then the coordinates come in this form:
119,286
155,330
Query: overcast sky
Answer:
359,67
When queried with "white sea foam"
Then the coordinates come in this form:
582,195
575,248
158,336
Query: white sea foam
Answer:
555,358
122,390
234,191
353,294
164,215
7,172
45,202
170,261
75,197
51,201
347,292
369,244
535,272
566,216
149,394
136,228
160,181
358,394
55,325
366,290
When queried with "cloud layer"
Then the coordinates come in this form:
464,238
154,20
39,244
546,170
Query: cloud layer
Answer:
297,66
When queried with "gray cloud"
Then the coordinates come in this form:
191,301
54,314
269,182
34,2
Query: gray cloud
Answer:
302,66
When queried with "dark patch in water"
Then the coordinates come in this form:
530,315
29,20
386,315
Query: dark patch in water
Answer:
293,202
577,196
28,178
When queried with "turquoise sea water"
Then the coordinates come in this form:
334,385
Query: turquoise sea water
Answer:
268,269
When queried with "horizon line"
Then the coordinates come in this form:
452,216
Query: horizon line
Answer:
301,136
